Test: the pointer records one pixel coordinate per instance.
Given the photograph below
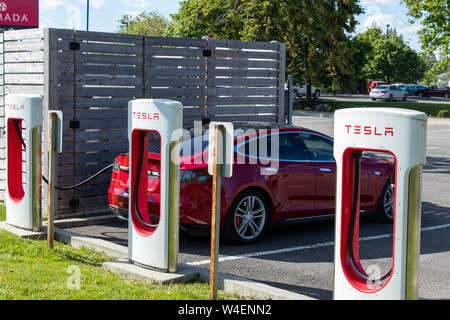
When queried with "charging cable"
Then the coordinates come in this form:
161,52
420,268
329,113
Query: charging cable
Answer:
19,132
142,135
357,156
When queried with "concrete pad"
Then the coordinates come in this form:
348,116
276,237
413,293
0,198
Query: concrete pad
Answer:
23,233
83,221
136,272
77,240
250,288
228,283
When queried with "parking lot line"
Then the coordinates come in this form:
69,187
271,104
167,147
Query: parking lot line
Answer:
298,248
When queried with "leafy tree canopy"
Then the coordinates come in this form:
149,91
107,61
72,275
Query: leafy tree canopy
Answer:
434,16
314,31
145,23
386,57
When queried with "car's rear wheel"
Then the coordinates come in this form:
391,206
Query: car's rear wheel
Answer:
247,218
385,211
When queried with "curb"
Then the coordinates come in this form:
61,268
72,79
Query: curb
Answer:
22,233
229,283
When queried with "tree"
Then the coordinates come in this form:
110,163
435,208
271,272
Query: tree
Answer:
147,24
314,31
386,57
435,33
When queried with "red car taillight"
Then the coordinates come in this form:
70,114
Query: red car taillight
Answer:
383,91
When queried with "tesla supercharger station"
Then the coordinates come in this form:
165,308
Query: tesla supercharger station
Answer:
153,236
401,133
23,120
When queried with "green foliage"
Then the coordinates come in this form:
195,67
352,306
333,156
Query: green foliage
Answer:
29,270
435,33
431,109
443,113
146,24
315,31
386,57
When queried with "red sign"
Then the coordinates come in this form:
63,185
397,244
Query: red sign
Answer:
19,14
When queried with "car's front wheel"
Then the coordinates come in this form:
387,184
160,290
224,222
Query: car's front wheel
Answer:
247,218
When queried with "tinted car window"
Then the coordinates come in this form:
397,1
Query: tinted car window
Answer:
319,147
290,148
192,146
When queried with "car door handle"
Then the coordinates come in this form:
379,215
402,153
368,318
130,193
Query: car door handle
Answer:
325,169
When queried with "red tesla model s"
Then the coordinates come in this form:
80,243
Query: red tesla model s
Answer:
295,181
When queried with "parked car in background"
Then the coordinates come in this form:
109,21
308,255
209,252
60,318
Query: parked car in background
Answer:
400,85
300,91
413,88
434,91
388,93
374,84
302,186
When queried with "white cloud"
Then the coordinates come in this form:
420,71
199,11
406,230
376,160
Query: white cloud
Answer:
51,4
97,4
135,4
375,16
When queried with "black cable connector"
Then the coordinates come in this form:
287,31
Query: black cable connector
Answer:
16,123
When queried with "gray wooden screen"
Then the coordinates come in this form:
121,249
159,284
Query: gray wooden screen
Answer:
91,76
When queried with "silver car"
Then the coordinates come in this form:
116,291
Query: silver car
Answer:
388,93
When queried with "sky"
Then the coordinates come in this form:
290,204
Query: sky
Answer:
104,15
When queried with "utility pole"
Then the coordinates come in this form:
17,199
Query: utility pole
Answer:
387,28
87,16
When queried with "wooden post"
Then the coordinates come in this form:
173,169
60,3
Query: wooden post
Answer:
215,218
51,177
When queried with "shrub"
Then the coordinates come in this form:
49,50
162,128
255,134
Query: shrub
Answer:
443,114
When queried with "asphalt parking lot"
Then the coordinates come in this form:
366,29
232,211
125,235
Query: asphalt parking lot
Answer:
299,257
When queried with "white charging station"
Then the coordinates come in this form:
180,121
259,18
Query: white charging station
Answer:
153,242
23,121
402,133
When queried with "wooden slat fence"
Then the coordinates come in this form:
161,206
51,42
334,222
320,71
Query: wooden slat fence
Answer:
91,76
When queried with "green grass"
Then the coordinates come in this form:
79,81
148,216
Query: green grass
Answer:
2,212
29,270
431,109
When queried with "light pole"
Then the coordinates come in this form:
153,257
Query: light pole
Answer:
387,28
87,16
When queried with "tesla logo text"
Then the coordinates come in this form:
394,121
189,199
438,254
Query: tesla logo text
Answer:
146,116
370,130
11,106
